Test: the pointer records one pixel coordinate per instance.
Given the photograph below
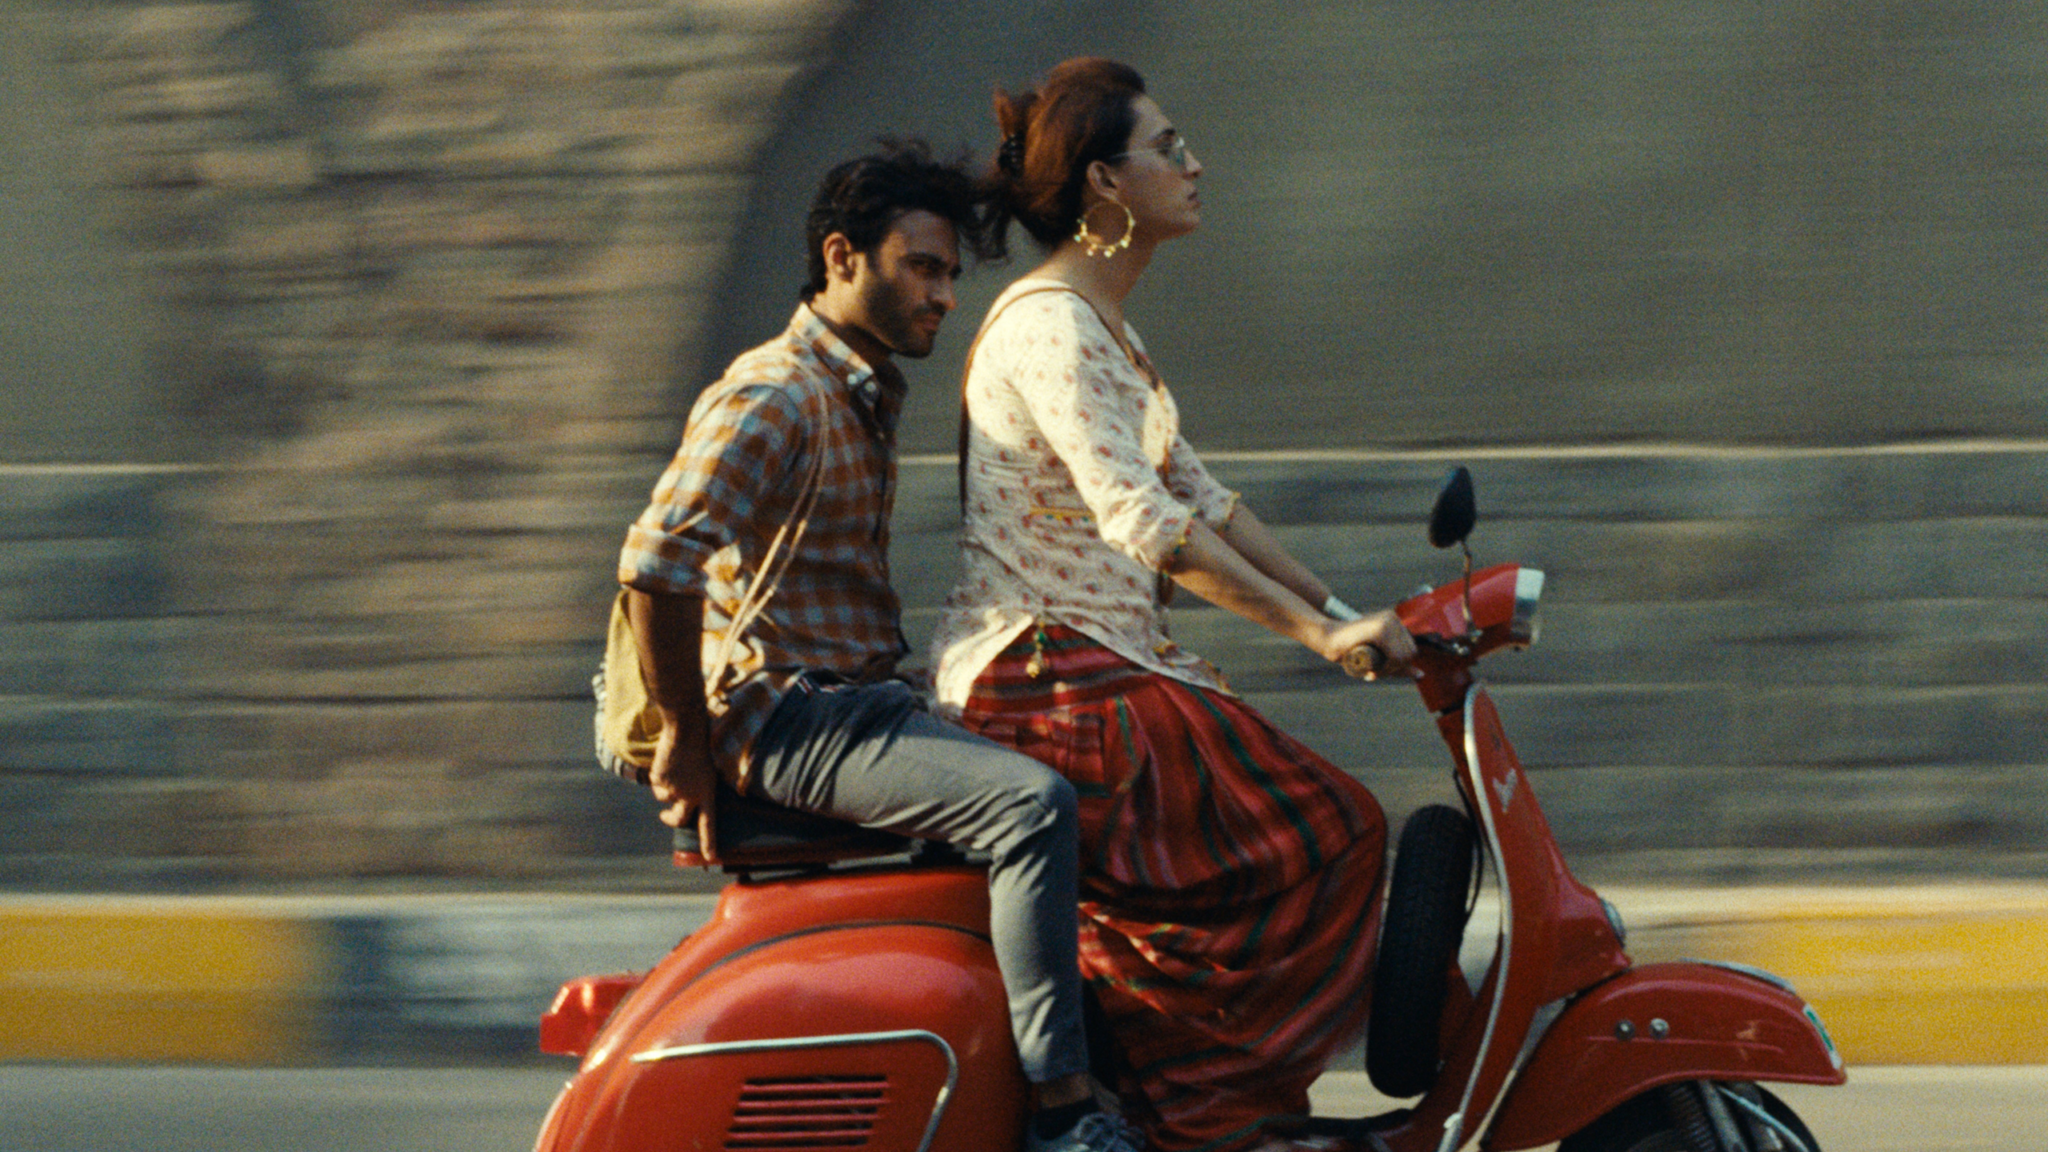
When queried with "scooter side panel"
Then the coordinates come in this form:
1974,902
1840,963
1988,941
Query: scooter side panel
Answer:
883,1090
754,915
1606,1047
692,1069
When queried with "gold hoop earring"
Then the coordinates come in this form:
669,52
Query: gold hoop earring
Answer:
1095,245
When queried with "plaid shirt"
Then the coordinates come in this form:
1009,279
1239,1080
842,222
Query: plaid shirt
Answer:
741,469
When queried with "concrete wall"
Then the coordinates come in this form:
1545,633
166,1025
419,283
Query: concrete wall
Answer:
411,278
1766,222
346,336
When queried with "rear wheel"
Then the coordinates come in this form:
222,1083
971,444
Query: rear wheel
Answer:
1672,1119
1425,923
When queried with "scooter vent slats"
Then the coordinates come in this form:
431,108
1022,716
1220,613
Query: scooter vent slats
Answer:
813,1112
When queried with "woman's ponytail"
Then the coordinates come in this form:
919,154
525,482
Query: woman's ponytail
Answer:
1079,114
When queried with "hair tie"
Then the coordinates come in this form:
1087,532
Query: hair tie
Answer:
1010,157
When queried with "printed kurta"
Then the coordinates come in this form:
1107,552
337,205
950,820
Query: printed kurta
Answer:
1230,876
1079,487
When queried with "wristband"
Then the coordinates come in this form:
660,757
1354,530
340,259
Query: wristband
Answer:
1336,609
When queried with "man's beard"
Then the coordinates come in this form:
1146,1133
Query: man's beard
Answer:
896,324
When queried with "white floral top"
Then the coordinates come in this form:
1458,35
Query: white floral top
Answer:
1080,488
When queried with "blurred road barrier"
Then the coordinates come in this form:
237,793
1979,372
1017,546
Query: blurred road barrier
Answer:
1934,988
1900,975
163,980
1909,975
290,981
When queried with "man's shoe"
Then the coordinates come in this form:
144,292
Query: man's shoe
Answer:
1095,1132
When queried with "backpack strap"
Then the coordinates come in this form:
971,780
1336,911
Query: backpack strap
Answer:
774,565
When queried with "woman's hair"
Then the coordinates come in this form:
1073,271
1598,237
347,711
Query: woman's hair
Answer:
1080,113
863,198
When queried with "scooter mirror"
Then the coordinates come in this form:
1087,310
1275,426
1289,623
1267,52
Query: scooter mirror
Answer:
1455,512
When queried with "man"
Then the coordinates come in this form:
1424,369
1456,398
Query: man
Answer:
757,587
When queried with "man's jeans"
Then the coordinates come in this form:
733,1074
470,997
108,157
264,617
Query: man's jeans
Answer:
873,755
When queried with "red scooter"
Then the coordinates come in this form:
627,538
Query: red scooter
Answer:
844,995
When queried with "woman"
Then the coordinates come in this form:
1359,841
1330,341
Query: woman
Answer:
1229,875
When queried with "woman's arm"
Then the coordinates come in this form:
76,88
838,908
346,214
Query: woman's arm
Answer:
1191,484
1250,537
1211,567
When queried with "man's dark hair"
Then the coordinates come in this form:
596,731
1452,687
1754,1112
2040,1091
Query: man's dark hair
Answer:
863,197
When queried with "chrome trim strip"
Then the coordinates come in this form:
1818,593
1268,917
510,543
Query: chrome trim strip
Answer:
1454,1127
844,1040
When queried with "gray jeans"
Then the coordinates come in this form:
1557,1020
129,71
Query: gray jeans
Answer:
872,755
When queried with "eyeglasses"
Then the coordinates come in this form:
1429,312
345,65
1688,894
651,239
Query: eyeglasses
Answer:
1175,151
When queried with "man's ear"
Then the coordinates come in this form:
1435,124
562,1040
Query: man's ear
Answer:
839,255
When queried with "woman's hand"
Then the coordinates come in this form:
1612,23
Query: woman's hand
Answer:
1380,630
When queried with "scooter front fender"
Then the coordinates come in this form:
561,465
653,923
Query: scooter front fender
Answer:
1661,1024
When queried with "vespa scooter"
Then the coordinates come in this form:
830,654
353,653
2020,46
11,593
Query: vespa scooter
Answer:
844,994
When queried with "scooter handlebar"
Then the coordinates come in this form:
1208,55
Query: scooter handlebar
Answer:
1453,629
1364,662
1499,611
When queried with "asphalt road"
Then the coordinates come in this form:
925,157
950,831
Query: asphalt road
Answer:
1900,1109
101,1109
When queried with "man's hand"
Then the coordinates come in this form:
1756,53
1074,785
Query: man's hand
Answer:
1381,630
686,785
669,629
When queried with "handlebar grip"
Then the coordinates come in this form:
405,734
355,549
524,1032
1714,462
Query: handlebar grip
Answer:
1364,662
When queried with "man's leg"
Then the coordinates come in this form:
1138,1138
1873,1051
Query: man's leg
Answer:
873,756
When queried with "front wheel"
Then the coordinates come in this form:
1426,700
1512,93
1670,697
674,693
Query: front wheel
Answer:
1424,924
1676,1118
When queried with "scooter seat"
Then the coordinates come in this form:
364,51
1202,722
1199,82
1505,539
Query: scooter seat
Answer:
755,834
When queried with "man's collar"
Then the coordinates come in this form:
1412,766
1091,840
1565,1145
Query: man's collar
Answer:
807,327
861,378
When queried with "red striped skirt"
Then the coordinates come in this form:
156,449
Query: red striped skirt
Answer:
1230,883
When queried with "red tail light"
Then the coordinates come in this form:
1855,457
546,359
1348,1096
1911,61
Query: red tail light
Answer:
580,1009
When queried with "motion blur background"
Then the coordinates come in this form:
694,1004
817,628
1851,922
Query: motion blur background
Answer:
341,338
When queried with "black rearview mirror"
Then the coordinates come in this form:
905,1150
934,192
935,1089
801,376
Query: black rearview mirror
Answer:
1455,512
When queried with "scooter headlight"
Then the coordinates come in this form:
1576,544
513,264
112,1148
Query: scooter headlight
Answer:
1528,598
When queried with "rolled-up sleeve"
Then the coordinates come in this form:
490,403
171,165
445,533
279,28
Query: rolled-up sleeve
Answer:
1090,402
736,449
1190,482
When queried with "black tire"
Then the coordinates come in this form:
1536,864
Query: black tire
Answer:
1647,1124
1425,922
